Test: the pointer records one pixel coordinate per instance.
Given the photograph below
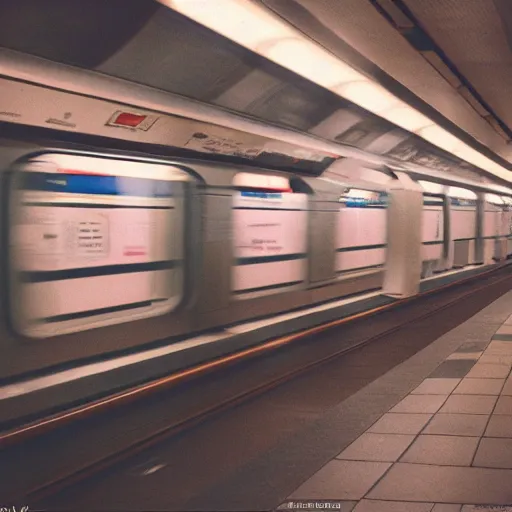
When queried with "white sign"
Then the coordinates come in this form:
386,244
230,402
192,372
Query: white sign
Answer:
269,226
91,236
55,238
269,232
222,146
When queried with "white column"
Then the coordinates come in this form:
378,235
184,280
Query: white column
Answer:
403,259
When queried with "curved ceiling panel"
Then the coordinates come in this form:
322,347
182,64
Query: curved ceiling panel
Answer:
174,54
177,55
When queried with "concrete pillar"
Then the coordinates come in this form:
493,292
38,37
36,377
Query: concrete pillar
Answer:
403,259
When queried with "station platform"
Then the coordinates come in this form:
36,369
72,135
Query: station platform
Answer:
432,435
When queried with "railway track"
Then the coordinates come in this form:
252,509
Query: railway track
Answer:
264,368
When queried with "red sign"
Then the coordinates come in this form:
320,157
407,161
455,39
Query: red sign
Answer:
127,119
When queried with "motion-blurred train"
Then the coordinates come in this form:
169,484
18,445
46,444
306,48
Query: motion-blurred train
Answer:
140,204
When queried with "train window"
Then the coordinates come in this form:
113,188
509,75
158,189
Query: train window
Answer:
361,231
494,199
269,235
431,188
462,197
262,182
94,241
431,200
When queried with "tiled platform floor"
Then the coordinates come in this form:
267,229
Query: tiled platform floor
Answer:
446,447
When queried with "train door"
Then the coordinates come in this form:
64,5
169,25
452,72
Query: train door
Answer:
270,229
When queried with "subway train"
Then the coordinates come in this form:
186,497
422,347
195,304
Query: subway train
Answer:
109,250
133,214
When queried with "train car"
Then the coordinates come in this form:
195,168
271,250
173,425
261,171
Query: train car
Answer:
130,249
136,217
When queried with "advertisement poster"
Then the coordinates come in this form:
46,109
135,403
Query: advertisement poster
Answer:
58,238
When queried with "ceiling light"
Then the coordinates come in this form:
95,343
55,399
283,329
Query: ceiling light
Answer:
406,117
242,22
308,60
256,28
368,95
440,138
262,181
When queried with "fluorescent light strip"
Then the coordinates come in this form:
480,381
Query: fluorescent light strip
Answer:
259,30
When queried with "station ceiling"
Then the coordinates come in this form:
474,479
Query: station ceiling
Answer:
475,36
453,55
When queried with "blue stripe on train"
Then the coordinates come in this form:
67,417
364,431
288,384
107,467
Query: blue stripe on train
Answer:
99,185
381,200
364,203
262,195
